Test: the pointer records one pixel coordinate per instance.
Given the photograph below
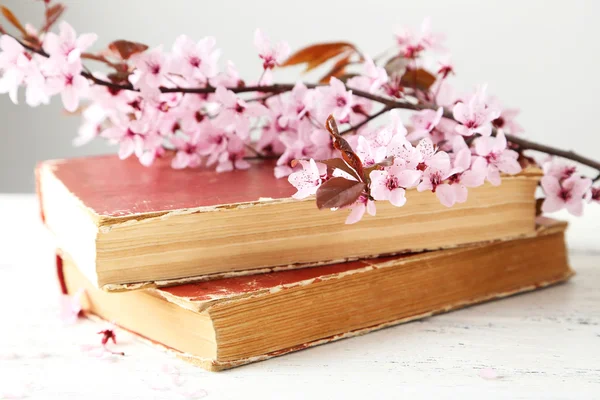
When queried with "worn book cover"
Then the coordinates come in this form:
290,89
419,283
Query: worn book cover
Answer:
127,226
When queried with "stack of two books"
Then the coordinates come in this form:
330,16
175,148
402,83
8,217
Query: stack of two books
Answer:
227,269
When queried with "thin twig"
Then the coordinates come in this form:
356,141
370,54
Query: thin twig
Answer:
263,98
365,121
568,154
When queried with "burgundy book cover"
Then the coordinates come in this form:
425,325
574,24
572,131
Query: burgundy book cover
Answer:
115,189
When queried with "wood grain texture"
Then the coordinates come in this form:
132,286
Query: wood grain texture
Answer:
543,345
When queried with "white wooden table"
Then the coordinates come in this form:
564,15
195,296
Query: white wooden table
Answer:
542,345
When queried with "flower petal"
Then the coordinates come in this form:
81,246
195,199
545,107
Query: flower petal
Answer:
356,214
446,194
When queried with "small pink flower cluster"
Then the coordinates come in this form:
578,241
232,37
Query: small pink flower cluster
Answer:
564,188
441,162
59,73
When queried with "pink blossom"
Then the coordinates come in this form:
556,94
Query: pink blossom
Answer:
369,155
225,149
302,143
463,174
301,100
233,157
153,149
506,121
435,174
323,146
498,158
188,151
281,117
14,62
336,100
66,46
390,184
113,100
445,94
308,179
437,171
475,116
94,116
130,135
372,80
489,373
446,68
467,171
357,210
151,69
405,155
12,51
236,112
411,43
567,194
429,39
391,136
424,122
558,169
271,55
197,60
507,118
37,91
229,78
70,306
439,160
67,81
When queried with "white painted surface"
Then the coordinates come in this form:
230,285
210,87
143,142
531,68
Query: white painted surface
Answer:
544,345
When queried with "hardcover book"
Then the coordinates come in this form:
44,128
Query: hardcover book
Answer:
127,226
224,323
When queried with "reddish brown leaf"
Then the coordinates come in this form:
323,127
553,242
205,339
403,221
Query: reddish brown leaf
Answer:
53,13
338,163
338,69
13,20
317,54
125,49
338,192
419,78
344,147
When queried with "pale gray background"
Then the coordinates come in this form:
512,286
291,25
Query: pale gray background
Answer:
541,56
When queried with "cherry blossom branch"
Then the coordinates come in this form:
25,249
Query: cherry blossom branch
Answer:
388,103
150,117
273,89
530,145
568,154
